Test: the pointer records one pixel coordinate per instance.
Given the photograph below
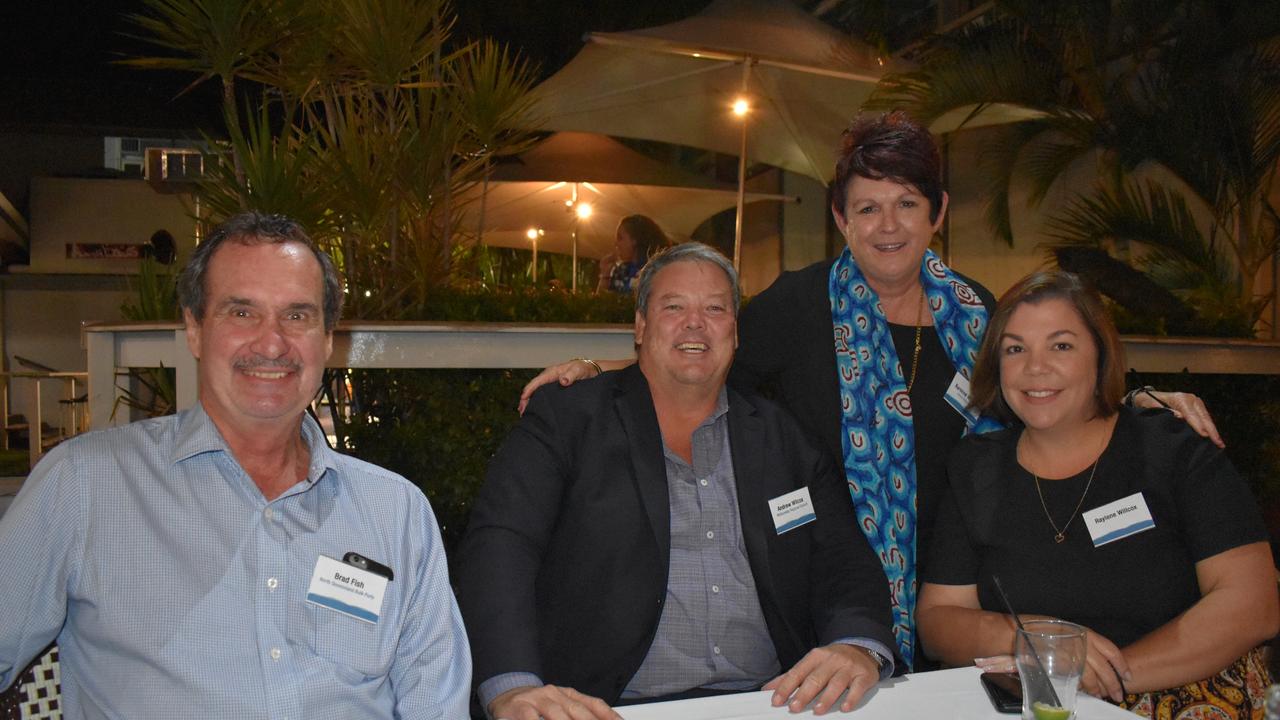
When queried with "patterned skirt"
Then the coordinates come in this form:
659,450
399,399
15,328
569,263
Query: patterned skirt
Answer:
1236,693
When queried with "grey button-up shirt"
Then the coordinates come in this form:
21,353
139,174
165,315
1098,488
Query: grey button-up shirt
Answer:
712,632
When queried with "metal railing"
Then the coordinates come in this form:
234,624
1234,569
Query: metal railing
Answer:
534,345
73,409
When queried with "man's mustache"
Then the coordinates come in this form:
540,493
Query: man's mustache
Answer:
258,362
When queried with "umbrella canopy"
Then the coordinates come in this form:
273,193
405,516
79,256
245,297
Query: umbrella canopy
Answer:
676,83
532,192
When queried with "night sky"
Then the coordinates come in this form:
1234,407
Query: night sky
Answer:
56,55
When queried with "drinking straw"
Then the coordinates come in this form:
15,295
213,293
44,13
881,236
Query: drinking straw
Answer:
1041,676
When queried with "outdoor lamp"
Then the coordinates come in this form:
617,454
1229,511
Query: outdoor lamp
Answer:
583,210
741,107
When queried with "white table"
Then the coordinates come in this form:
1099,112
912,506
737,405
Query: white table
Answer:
942,695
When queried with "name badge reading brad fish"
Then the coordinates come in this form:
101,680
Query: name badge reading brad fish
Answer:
792,510
1118,520
347,589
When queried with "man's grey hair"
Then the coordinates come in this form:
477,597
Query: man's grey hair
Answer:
685,252
255,228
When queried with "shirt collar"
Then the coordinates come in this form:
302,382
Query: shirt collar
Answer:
722,407
197,434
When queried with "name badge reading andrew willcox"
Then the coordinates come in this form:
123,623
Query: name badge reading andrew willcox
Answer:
792,510
347,589
1118,520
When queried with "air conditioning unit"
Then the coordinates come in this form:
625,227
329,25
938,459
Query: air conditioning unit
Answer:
129,154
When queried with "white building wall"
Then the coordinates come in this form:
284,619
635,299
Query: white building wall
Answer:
78,210
46,303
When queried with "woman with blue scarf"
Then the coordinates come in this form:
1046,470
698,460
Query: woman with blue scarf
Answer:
872,352
905,330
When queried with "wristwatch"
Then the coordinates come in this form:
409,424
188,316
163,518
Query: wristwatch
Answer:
880,660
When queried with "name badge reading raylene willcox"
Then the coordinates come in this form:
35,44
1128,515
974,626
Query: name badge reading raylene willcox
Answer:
347,589
1118,520
792,510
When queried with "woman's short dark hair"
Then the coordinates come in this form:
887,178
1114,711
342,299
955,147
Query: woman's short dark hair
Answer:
254,228
894,147
645,233
985,396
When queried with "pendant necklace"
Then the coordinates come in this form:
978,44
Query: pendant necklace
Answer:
915,355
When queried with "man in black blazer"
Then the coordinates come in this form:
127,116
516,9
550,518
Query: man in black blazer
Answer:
651,532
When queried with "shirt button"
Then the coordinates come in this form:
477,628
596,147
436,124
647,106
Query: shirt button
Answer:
275,653
703,481
711,534
268,514
272,583
716,649
715,588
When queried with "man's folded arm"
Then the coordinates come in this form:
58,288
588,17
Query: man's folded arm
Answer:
511,524
431,673
877,647
42,537
506,682
850,597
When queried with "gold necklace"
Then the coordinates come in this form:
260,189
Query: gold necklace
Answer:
915,355
1060,534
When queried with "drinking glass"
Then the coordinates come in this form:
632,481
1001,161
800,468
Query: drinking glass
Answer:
1050,654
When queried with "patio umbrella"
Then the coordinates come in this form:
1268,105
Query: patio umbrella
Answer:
677,83
543,188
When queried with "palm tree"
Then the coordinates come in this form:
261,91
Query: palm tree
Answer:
1177,104
365,125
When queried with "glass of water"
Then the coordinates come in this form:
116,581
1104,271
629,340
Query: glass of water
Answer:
1051,658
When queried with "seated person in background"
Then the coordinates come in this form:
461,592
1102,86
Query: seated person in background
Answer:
638,238
628,543
1053,506
187,565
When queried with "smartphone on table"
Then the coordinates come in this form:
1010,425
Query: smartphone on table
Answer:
1004,689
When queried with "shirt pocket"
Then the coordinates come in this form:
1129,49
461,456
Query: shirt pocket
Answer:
363,647
357,648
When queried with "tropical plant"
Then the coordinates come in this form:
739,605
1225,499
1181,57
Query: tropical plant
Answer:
1177,106
368,123
150,391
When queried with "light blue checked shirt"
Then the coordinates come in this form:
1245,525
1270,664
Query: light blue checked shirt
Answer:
174,589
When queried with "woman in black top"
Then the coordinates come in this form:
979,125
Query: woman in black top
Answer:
1126,522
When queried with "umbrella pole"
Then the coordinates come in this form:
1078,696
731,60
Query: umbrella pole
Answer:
573,284
742,173
742,190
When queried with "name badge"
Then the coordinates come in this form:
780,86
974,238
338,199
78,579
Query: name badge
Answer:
958,398
1118,520
347,589
792,510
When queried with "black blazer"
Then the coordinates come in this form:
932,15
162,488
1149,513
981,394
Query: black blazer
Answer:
563,569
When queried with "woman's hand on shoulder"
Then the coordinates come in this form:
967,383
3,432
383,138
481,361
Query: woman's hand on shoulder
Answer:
1187,406
566,373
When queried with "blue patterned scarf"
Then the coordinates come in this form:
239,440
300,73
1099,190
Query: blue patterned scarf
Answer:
877,435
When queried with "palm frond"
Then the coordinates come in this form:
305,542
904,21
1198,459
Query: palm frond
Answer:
1178,254
386,41
493,97
278,173
1000,158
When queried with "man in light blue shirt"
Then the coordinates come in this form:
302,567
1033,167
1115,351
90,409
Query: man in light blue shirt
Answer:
224,562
